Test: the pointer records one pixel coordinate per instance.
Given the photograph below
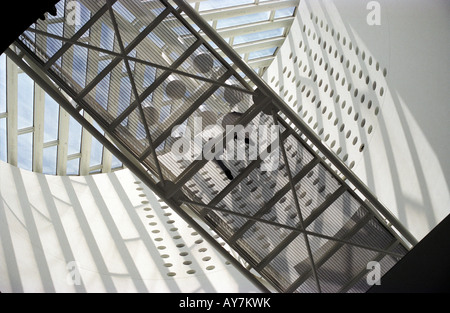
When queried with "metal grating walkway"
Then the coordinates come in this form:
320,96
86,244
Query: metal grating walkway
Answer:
139,69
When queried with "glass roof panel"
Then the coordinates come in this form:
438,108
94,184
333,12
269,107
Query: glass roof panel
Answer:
75,131
261,53
51,118
25,105
243,19
258,36
220,4
284,12
25,146
49,160
73,167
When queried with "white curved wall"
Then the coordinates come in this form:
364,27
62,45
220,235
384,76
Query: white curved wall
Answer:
122,238
377,95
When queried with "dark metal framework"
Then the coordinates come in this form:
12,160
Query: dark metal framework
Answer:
139,70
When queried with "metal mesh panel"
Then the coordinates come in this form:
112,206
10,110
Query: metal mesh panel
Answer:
342,214
312,191
342,266
287,266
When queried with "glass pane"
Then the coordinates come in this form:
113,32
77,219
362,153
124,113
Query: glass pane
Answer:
3,141
25,101
74,137
51,119
96,153
219,4
49,163
258,36
25,151
73,167
240,20
2,83
115,163
261,53
284,12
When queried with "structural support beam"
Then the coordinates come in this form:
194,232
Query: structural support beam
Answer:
63,146
195,166
330,252
297,205
12,75
295,229
86,147
258,45
280,194
38,135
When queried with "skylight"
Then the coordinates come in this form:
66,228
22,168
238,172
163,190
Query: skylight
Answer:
244,19
258,36
220,4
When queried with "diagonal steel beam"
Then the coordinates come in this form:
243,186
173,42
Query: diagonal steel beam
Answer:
153,24
186,114
136,94
77,36
186,54
330,251
286,241
195,166
280,194
294,229
297,205
140,61
242,175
